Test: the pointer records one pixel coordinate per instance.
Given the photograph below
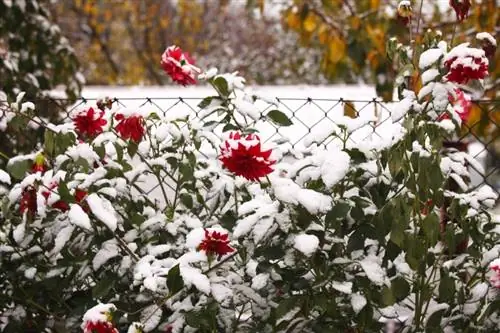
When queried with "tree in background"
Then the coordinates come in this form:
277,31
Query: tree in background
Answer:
35,58
352,34
121,42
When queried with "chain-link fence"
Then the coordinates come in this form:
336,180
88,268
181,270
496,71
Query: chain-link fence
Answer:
479,136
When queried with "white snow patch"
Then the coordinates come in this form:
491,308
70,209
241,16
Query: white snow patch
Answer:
307,244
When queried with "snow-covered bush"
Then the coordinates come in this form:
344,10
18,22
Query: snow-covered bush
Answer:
240,235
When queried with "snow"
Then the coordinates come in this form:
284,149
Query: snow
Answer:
334,167
358,302
109,250
486,36
78,217
151,317
374,272
344,287
4,177
29,273
193,276
105,213
307,244
429,57
464,53
98,313
260,281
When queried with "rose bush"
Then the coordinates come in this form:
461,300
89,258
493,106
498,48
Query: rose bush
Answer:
249,236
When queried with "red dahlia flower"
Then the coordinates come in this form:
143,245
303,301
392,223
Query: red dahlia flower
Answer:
63,206
28,201
495,278
89,123
215,243
465,63
179,65
461,105
244,157
461,8
130,127
99,327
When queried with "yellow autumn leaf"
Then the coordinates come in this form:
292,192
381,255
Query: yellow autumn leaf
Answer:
310,23
293,20
337,49
350,110
374,4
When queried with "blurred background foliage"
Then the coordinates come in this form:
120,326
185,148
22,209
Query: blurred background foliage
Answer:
267,41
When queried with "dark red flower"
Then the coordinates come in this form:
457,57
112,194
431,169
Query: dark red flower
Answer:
102,104
244,157
89,123
215,243
461,8
28,201
99,327
461,105
179,65
404,12
464,64
130,127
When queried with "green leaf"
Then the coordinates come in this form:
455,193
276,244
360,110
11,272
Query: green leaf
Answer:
229,127
387,296
187,200
279,118
400,288
132,148
49,142
174,280
286,305
430,225
221,85
18,169
103,286
434,322
446,287
206,101
63,191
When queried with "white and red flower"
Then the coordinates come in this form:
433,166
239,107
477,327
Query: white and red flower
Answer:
495,268
462,105
179,65
465,63
98,319
244,157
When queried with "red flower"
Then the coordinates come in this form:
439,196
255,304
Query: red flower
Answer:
461,105
130,127
179,65
63,206
28,201
244,157
99,327
215,243
89,123
495,278
461,8
465,63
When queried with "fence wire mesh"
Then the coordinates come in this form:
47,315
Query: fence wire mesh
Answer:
480,136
